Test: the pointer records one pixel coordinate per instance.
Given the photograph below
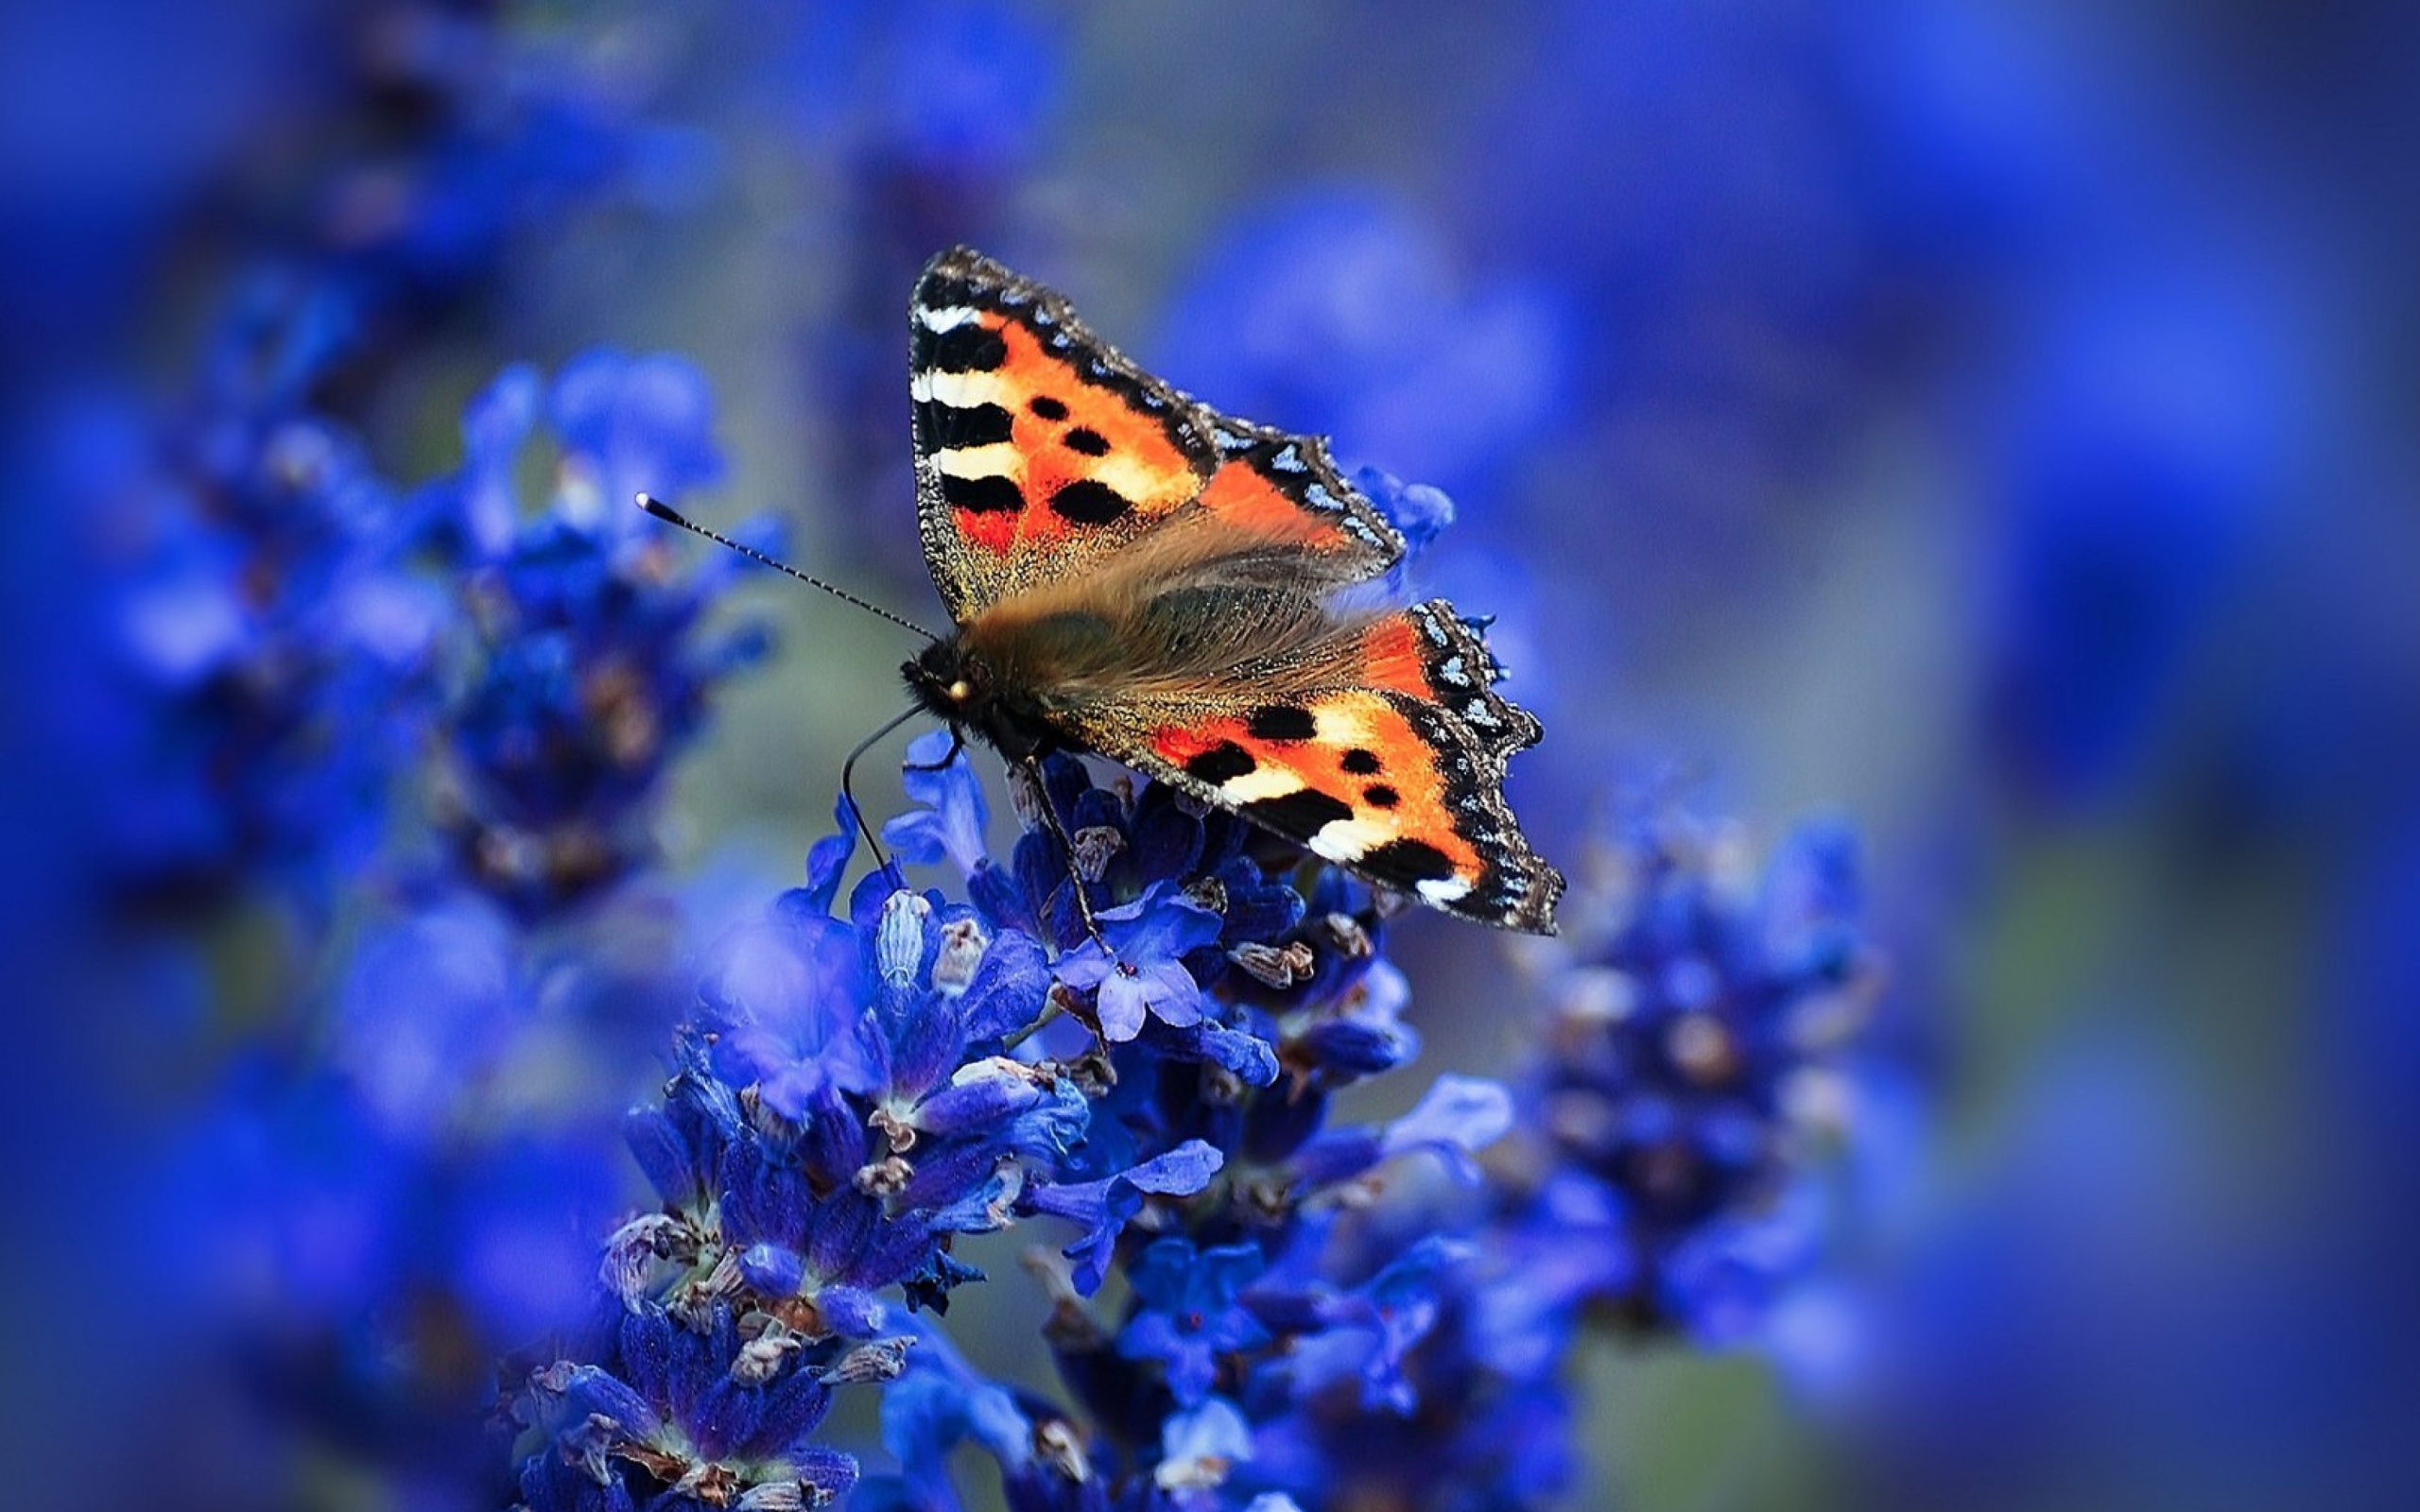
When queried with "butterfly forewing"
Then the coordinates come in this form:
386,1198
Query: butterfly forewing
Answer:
1040,450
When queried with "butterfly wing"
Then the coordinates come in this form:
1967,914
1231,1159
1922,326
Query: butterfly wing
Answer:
1153,579
1041,451
1380,747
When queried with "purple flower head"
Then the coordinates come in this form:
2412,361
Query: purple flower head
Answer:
785,1002
1382,1387
843,1111
242,669
681,1408
1395,1313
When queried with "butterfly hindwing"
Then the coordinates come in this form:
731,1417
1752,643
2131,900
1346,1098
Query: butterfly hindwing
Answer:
1433,655
1040,450
1386,784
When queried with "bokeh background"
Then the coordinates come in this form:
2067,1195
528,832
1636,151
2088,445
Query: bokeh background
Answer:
1989,424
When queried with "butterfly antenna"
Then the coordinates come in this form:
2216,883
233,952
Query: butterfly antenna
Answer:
848,796
668,515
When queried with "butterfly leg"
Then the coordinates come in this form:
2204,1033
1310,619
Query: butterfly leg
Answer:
1068,847
956,744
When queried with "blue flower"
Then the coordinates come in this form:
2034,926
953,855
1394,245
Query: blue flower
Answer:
1143,976
1189,1313
1393,1387
245,668
1104,1207
954,814
940,1402
690,1417
1454,1118
1199,1447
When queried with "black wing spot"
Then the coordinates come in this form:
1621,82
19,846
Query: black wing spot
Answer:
1301,814
1407,862
992,495
1090,502
963,348
951,426
1087,440
1281,721
943,291
1048,407
1221,763
1378,795
1360,762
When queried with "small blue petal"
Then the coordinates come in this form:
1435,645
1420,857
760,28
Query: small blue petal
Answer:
773,1268
954,815
828,860
1246,1057
1009,988
1124,1003
1457,1116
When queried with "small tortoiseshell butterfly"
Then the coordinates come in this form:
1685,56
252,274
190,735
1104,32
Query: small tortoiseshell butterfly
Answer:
1136,576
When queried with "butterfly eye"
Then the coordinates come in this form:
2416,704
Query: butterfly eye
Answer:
958,691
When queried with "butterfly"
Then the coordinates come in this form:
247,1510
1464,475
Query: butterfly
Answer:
1135,576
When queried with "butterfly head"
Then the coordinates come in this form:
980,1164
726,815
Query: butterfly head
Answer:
955,685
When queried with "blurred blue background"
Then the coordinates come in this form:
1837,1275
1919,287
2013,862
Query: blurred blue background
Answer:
1988,422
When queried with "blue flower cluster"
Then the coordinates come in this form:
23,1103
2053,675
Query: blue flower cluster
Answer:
448,1137
1696,1060
240,663
1309,1313
246,661
856,1091
583,668
340,792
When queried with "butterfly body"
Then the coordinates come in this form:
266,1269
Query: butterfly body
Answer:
1135,576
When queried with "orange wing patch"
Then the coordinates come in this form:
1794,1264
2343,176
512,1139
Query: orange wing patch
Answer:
1390,656
1039,448
1430,653
1348,778
1027,452
1246,492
